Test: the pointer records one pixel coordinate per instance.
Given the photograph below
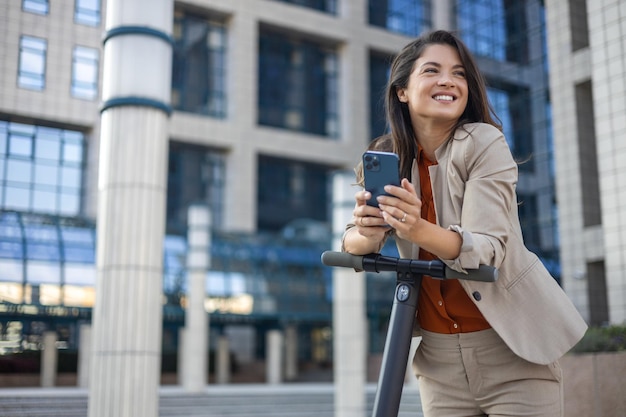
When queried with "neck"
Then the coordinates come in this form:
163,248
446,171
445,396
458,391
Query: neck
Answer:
430,135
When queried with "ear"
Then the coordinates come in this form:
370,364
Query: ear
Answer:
401,92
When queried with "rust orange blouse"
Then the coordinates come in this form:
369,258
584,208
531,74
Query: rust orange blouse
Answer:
443,306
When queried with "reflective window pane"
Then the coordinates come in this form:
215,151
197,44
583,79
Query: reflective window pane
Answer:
48,149
21,146
85,72
199,65
36,6
16,198
11,292
69,204
87,12
79,274
43,272
297,85
408,17
44,201
47,174
328,6
32,63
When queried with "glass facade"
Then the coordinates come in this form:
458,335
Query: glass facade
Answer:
289,190
40,169
297,85
495,29
195,174
408,17
512,105
199,65
47,266
32,63
379,75
46,260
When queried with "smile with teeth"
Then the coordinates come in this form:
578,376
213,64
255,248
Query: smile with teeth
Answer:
442,97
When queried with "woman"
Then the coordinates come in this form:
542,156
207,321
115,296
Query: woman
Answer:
488,349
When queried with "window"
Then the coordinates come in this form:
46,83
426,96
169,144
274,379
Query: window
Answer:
512,105
288,190
297,85
196,173
36,6
32,66
87,12
199,65
408,17
379,75
328,6
85,72
495,29
40,169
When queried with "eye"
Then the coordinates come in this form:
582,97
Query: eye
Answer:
430,70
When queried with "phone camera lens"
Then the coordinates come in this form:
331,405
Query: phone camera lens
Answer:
375,163
368,158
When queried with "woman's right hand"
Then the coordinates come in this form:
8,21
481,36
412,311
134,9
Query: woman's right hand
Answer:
370,228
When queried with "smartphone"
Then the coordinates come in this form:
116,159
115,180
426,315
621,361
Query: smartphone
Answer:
380,169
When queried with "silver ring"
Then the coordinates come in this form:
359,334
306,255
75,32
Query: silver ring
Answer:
403,219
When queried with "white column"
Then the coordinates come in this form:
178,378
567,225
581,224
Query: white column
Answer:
291,352
127,317
349,319
274,357
196,318
84,354
49,357
442,16
223,360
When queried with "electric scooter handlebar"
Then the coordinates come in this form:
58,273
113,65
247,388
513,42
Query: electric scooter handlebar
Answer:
375,262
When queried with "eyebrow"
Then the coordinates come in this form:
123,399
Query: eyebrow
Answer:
438,65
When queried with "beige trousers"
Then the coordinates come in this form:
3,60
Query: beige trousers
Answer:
476,374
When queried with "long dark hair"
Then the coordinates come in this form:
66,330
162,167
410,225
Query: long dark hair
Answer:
478,108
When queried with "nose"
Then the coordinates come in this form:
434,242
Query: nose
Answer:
445,80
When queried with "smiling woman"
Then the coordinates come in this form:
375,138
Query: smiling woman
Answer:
457,202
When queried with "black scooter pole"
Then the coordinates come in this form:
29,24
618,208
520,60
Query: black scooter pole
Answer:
409,274
397,346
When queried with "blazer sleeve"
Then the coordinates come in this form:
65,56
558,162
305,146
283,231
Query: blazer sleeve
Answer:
482,178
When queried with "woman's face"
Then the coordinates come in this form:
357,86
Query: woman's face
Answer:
437,89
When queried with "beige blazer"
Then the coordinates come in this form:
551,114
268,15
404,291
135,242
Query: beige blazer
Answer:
474,194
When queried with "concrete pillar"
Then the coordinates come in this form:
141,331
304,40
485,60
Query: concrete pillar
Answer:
442,16
349,318
49,359
84,354
196,319
223,360
291,352
180,357
132,182
274,357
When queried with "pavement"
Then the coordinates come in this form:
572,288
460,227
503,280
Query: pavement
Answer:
232,400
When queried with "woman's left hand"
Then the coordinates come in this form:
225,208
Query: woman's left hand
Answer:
403,211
